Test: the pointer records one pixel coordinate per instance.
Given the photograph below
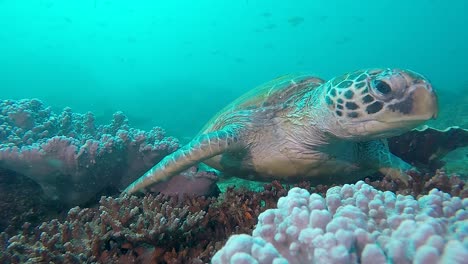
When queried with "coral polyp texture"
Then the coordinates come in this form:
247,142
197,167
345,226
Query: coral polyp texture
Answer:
129,229
70,156
355,224
168,229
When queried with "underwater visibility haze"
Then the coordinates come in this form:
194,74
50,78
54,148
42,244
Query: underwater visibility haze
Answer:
99,98
176,63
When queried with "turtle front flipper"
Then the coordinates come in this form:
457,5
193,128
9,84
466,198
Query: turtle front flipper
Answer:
393,166
201,148
376,154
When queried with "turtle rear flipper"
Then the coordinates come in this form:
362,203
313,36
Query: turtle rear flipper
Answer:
201,148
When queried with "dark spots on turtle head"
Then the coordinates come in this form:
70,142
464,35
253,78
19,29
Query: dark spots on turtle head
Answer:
351,106
338,80
345,84
349,94
365,91
333,92
361,78
367,99
359,85
353,115
339,113
374,107
404,106
328,100
340,101
340,106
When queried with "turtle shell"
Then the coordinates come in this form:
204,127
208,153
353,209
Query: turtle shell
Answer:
276,92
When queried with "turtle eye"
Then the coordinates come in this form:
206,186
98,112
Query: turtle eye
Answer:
383,87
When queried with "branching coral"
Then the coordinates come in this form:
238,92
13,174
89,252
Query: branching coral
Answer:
423,183
152,229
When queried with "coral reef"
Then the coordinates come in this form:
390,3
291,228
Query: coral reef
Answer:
355,224
75,161
169,229
70,156
423,183
152,229
21,200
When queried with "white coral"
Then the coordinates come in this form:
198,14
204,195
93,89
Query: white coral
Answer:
355,224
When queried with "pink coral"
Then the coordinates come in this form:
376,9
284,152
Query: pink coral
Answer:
69,156
355,224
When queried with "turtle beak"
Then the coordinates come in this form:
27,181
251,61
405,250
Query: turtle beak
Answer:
425,102
436,103
419,105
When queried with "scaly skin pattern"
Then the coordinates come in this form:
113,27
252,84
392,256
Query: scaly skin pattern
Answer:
302,128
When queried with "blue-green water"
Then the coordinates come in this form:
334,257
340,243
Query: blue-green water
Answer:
176,63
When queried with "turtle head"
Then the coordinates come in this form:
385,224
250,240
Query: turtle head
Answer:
379,103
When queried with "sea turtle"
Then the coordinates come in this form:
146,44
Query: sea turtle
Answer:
299,127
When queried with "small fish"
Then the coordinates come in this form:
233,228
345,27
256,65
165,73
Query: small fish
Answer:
294,21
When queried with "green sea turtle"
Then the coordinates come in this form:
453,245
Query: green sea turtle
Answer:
299,127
